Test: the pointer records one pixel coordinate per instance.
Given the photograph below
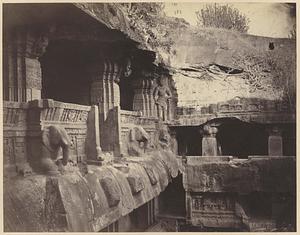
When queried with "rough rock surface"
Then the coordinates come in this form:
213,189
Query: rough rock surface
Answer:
76,203
189,52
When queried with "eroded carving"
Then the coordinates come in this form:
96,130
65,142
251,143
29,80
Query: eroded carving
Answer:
151,175
161,96
139,141
164,138
54,138
111,190
136,184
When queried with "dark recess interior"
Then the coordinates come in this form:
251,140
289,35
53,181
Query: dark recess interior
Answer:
172,200
189,141
64,74
236,138
241,139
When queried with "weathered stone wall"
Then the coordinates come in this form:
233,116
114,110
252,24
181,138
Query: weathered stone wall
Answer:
72,117
262,174
89,202
255,194
22,75
24,123
14,135
258,110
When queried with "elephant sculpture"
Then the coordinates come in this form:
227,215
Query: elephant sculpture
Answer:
54,138
139,141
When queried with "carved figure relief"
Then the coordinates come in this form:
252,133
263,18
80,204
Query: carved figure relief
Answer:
164,139
54,138
128,69
139,141
161,96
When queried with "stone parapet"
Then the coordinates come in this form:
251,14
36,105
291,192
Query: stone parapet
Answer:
77,202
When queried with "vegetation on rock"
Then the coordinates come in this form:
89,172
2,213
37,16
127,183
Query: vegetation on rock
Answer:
222,16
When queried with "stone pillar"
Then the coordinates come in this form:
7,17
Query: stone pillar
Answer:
139,101
93,137
147,87
152,111
209,141
188,207
275,147
35,48
105,93
22,69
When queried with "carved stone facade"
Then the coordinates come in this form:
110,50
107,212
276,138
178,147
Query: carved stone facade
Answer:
213,210
95,166
15,131
22,70
155,95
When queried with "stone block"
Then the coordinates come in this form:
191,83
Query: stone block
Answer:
136,184
111,190
151,175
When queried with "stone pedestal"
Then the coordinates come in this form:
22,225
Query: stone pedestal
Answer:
209,141
275,147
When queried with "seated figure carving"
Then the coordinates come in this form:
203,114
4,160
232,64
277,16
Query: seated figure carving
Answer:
54,138
139,141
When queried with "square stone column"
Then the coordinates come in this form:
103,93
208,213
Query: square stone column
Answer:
105,93
275,146
209,141
21,65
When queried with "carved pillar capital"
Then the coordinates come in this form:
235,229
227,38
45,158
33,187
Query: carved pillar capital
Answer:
274,131
210,131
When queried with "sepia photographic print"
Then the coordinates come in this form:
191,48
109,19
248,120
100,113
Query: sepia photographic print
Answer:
149,117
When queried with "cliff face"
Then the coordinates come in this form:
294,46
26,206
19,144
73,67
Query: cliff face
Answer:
217,65
213,65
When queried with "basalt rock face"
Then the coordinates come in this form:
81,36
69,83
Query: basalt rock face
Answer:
217,65
85,203
144,23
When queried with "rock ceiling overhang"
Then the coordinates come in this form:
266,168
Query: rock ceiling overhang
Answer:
112,16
